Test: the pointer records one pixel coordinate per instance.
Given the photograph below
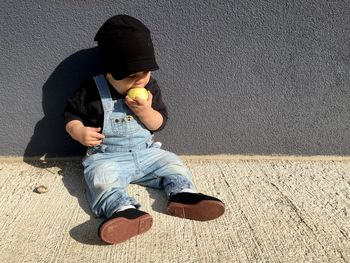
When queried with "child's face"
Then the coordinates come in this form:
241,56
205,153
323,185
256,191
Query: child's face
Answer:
139,79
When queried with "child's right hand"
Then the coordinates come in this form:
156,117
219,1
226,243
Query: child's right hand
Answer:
89,136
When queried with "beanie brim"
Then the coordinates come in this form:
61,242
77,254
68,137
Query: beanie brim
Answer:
133,67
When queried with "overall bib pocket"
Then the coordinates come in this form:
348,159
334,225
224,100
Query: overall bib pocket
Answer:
124,124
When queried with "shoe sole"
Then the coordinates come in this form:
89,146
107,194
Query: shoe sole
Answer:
203,211
120,229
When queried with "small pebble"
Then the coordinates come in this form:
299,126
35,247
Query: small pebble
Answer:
41,189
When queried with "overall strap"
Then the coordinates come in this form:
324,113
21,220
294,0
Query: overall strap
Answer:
103,89
106,98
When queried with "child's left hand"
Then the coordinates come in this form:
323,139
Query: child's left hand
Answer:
139,106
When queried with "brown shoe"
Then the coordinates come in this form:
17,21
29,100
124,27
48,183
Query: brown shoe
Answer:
195,206
123,225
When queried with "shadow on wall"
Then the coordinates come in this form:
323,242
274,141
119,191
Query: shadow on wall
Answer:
50,138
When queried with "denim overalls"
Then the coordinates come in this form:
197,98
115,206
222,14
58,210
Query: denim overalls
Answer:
128,154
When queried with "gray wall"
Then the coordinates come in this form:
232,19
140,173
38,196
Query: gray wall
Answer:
239,77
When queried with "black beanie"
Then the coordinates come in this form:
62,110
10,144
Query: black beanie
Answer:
125,46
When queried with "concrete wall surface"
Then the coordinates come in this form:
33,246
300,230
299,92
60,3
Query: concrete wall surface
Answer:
238,77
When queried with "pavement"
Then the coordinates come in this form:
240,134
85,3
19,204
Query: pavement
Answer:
277,210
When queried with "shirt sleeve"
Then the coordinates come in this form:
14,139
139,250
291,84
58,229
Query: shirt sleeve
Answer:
75,108
157,102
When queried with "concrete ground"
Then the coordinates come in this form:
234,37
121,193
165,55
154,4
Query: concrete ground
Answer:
277,211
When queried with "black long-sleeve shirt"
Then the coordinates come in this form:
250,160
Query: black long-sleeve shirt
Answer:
85,105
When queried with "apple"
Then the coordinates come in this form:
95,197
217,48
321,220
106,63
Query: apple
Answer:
134,92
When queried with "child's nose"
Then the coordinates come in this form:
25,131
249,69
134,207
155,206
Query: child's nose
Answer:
140,78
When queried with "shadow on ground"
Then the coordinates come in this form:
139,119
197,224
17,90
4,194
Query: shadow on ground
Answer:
160,201
73,180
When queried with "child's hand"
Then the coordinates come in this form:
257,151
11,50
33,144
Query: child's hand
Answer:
151,118
89,136
139,106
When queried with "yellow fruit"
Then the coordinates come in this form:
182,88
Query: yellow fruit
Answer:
142,93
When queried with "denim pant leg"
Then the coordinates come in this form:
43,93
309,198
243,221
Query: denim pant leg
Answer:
164,170
107,180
